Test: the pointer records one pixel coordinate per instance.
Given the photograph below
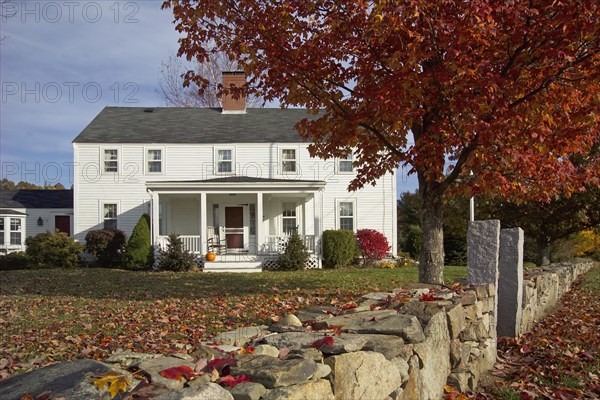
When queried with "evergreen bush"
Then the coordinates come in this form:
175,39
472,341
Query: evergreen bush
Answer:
139,253
107,245
53,250
13,261
175,258
339,248
414,239
296,254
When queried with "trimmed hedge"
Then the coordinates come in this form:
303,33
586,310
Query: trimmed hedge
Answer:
13,261
107,245
139,253
53,250
339,248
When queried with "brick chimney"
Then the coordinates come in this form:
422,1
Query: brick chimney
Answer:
230,104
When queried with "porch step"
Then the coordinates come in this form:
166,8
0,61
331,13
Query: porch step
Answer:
224,266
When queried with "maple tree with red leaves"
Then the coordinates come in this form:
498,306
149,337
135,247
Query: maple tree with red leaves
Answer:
505,89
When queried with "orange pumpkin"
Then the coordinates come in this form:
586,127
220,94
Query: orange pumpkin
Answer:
210,256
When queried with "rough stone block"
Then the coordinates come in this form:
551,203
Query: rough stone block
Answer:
354,377
456,320
412,389
248,391
320,389
483,245
510,289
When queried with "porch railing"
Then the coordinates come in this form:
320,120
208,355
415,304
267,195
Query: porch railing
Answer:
273,244
277,244
189,242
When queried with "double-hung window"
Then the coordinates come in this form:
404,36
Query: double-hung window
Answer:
111,160
346,215
110,216
154,160
290,223
15,231
288,160
1,230
345,164
224,161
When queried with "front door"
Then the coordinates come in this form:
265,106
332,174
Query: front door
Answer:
62,223
234,227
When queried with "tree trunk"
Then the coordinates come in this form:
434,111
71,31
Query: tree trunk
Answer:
543,252
431,262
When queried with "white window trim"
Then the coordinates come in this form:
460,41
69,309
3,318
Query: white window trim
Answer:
297,217
338,209
163,156
101,212
337,165
11,230
216,160
281,160
118,149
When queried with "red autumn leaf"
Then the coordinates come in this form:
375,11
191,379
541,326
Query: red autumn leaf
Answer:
337,329
326,341
178,372
348,306
222,365
429,297
232,381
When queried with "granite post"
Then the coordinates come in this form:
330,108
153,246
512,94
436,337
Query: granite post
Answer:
510,283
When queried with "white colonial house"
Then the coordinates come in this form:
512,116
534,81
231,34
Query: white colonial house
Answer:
25,213
235,181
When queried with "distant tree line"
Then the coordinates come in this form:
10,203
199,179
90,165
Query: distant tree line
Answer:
6,184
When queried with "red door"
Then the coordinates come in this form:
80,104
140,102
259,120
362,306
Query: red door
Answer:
62,223
234,227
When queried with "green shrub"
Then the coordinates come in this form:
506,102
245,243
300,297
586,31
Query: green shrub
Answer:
107,245
414,239
12,261
339,248
296,254
175,258
53,250
138,251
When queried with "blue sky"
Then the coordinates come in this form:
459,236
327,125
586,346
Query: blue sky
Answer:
61,62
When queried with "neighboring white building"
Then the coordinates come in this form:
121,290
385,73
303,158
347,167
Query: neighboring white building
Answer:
26,213
236,181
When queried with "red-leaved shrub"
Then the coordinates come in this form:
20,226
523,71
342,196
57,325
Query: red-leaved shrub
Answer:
373,244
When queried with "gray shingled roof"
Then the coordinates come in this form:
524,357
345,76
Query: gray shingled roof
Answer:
192,125
36,199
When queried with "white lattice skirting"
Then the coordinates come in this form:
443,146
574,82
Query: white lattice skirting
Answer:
270,263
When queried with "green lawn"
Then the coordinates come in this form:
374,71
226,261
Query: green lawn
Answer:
48,315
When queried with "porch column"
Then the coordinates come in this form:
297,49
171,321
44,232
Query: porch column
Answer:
260,234
203,224
155,225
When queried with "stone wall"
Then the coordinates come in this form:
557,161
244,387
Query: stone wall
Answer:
402,345
544,286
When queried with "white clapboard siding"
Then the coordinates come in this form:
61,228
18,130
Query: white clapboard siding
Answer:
375,206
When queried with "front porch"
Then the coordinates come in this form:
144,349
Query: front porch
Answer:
245,223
